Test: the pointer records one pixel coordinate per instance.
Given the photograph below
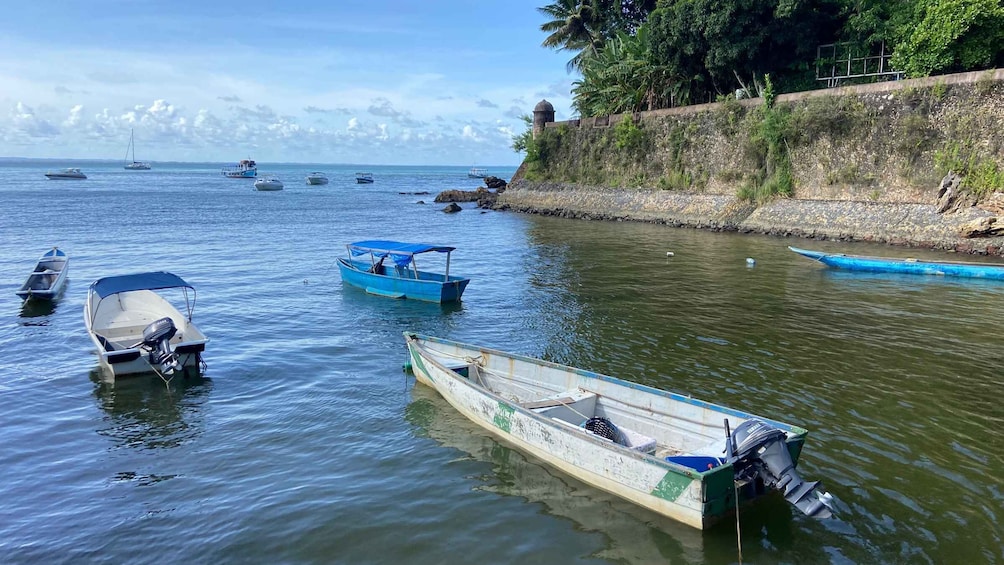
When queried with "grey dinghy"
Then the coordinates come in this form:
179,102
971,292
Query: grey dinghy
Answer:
660,450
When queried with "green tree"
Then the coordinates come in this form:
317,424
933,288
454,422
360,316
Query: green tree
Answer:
584,26
623,77
952,36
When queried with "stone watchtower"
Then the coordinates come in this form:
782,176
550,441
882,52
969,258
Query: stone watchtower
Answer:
543,112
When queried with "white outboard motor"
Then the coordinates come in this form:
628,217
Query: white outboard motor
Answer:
156,338
758,450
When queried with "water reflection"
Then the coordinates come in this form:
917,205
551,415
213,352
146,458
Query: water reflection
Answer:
634,535
37,312
144,413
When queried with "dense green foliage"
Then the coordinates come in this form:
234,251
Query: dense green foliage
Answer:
643,55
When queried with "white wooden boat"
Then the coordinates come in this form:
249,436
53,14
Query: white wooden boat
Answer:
316,178
136,330
48,278
268,183
66,174
680,457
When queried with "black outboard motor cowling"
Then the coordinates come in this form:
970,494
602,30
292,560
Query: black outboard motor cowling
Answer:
760,451
156,338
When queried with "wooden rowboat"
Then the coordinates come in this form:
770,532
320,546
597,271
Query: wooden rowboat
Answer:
683,458
909,265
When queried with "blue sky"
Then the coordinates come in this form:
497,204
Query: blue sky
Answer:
380,82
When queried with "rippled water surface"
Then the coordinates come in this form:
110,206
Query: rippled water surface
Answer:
306,442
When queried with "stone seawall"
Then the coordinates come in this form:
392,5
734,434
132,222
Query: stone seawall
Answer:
909,224
865,163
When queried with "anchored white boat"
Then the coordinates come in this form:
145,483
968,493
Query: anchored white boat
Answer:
48,277
477,173
675,455
134,165
268,183
66,174
364,178
317,178
136,330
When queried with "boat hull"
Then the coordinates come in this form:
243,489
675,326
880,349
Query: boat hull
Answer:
313,181
696,498
908,266
399,282
61,176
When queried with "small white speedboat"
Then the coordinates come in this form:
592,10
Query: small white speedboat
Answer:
66,174
268,183
317,178
48,277
136,330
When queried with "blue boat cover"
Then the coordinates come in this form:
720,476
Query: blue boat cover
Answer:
140,281
54,252
401,253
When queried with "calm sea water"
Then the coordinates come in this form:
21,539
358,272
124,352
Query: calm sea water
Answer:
307,443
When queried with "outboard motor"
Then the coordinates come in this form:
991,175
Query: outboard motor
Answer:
156,338
758,450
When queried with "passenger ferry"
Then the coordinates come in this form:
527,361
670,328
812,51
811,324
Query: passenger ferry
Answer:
246,169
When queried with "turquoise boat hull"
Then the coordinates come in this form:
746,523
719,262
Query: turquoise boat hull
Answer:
908,266
402,282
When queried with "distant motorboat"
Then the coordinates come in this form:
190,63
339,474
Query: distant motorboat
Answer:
66,174
48,277
138,330
245,169
364,178
134,165
317,178
477,173
268,183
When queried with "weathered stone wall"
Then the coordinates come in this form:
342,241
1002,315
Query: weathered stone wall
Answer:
863,163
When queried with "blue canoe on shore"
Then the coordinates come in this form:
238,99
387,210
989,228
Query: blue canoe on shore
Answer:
911,266
400,279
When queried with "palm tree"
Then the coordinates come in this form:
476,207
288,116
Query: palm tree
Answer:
577,25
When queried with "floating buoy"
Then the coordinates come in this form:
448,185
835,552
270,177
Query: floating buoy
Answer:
669,254
750,261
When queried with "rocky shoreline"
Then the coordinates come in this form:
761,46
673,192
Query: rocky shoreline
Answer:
903,224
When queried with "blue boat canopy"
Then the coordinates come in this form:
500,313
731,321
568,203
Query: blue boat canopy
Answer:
400,252
140,281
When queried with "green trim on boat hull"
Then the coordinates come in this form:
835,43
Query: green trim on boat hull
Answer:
671,486
503,417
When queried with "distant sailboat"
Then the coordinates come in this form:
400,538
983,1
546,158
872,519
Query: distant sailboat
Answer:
134,165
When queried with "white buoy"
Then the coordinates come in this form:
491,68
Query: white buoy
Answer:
669,254
750,261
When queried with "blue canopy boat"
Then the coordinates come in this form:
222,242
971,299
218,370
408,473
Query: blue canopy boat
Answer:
402,279
910,265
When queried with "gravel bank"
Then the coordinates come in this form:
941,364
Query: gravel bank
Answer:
913,225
